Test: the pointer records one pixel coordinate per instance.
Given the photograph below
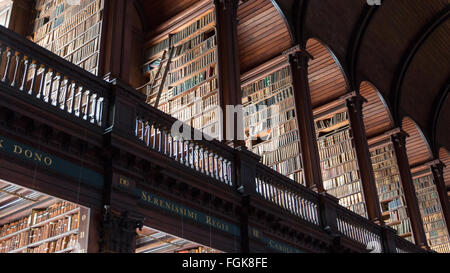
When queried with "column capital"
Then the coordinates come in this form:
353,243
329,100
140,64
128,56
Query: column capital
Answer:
298,56
399,136
437,166
231,5
354,101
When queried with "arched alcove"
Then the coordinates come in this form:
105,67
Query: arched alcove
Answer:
417,146
327,80
377,116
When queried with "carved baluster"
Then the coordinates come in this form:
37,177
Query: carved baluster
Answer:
35,68
18,58
88,105
191,155
216,166
42,83
76,92
5,78
25,74
159,140
99,113
79,106
63,94
201,159
50,89
225,171
196,156
93,108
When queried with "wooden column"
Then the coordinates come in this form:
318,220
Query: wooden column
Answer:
298,64
354,103
437,169
21,20
228,63
116,43
399,142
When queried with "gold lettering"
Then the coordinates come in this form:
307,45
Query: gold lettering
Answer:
28,153
208,220
17,149
155,200
38,157
48,161
1,143
144,196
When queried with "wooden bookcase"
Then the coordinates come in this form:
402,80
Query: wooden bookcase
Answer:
338,158
70,31
181,71
389,187
60,228
270,122
431,210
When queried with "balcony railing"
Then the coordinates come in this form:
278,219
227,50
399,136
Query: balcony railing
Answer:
33,74
44,79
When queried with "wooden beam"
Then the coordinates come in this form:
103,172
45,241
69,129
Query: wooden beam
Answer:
437,106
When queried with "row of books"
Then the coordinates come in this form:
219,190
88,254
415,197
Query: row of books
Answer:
269,123
196,108
266,82
205,119
376,158
385,194
276,100
201,48
276,143
52,229
384,164
194,42
334,139
177,37
346,178
351,200
291,165
340,170
436,225
345,190
269,115
392,170
81,40
337,160
267,92
193,81
281,154
444,248
403,227
432,217
396,203
336,119
397,213
297,177
438,241
424,182
36,217
64,244
192,67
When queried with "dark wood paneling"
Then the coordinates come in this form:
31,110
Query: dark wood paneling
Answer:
377,117
444,156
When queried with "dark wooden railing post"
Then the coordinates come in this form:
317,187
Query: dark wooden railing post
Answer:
228,66
354,103
399,142
437,169
388,237
298,64
245,172
328,218
21,16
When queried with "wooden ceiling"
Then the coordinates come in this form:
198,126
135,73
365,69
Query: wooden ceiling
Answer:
417,148
377,117
326,80
262,33
444,156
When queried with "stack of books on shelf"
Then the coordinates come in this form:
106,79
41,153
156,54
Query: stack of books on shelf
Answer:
432,215
70,31
390,190
270,122
182,72
54,229
338,161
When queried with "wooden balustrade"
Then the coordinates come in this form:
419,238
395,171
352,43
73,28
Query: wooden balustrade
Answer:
211,158
358,228
287,194
43,78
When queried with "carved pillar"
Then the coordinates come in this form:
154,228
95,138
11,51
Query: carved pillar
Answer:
298,63
228,66
354,104
399,142
118,234
438,174
116,44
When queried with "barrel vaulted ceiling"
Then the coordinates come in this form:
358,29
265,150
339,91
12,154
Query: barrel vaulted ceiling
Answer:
399,47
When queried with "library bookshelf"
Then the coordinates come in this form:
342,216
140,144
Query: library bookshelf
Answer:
389,186
181,73
36,223
434,223
70,31
338,157
270,124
